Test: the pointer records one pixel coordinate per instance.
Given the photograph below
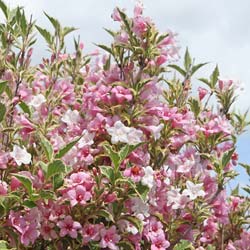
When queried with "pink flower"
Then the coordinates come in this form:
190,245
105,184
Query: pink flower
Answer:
4,158
202,92
116,15
69,227
91,232
78,195
235,202
160,60
3,188
47,231
120,94
138,9
160,243
135,173
109,238
140,25
30,234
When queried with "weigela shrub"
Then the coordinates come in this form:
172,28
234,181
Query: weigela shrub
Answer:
112,150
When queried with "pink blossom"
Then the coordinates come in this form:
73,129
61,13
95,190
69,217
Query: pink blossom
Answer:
47,231
109,238
135,173
160,243
116,15
90,232
140,25
3,188
119,94
78,195
29,234
69,227
202,92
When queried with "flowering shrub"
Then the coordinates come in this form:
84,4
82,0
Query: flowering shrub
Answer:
111,151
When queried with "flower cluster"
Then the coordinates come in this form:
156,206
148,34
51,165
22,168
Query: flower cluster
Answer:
111,151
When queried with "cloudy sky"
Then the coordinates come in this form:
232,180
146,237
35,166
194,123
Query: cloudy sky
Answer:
216,31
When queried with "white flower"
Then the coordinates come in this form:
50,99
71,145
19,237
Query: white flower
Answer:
156,130
186,166
148,178
134,136
193,190
176,199
139,207
87,139
37,101
131,228
120,133
71,117
20,155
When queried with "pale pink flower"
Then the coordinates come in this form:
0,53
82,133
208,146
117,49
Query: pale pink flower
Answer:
30,234
148,178
120,94
20,155
69,227
193,190
78,195
176,200
71,117
109,238
37,101
47,231
160,243
202,92
3,188
91,232
135,173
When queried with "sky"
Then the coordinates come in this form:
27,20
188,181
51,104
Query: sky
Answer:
215,31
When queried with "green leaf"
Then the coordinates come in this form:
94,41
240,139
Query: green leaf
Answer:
235,191
184,245
44,167
29,204
114,156
135,221
178,68
57,181
105,214
195,106
206,81
56,167
214,77
142,190
4,8
3,243
246,166
66,148
26,181
25,108
187,60
54,22
67,30
3,85
197,67
106,48
47,147
108,172
125,245
47,194
227,157
126,150
46,34
112,33
2,111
